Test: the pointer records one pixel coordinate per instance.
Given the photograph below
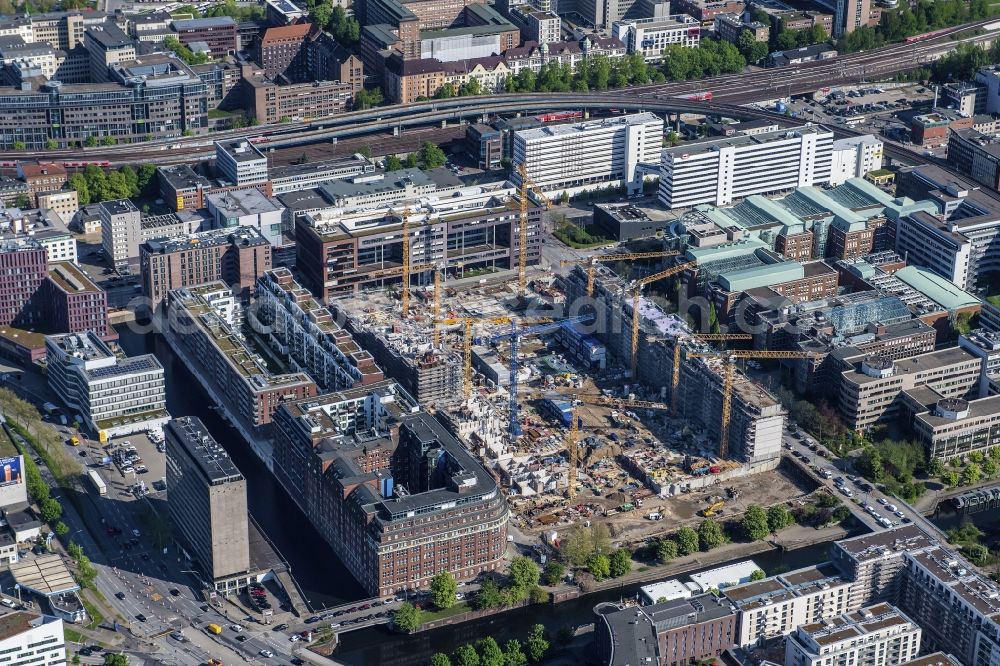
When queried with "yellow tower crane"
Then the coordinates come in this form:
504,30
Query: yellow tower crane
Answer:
571,448
468,323
675,380
522,258
636,291
406,262
631,256
437,304
729,378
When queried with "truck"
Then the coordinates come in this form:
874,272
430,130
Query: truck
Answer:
97,482
214,629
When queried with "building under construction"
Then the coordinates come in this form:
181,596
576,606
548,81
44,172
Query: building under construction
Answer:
756,420
404,351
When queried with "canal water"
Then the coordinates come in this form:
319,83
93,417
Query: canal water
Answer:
324,579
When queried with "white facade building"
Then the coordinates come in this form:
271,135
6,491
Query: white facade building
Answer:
116,394
589,155
42,226
544,27
878,635
854,158
247,208
650,36
240,162
30,638
721,171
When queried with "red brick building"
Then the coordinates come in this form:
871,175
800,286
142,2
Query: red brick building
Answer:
281,51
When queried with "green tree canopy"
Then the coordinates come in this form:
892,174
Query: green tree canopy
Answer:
466,655
553,572
666,550
687,541
755,524
490,653
406,617
536,646
599,566
621,562
443,590
710,534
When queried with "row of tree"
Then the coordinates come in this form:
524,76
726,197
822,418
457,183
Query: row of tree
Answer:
94,185
430,156
345,29
487,652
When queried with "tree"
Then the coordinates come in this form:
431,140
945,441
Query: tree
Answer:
466,655
115,659
488,595
406,617
22,201
713,320
758,574
61,529
666,550
367,98
431,156
490,653
935,467
687,541
439,659
513,655
990,468
755,524
393,163
778,517
621,562
950,478
443,589
536,645
321,14
972,474
51,510
411,161
471,87
553,572
599,566
673,138
51,144
523,573
710,534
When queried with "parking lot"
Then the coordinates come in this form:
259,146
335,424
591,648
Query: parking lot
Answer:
139,462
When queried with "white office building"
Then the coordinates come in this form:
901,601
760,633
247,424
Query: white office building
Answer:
590,155
854,158
105,391
247,208
31,638
240,162
650,36
878,635
722,171
45,227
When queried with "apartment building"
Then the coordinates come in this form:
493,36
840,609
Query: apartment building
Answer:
270,102
730,27
871,392
240,163
234,372
855,157
32,638
217,32
111,393
776,606
237,256
207,504
706,10
42,176
721,171
305,333
878,635
362,463
124,230
650,36
64,203
590,154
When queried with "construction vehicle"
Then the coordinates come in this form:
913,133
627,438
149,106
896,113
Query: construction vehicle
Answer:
729,359
712,509
636,293
522,257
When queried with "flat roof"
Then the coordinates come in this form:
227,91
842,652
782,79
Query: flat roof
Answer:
633,636
722,577
47,575
877,544
243,235
17,622
742,141
943,292
199,446
569,129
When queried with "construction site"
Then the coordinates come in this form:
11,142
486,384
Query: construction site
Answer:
582,417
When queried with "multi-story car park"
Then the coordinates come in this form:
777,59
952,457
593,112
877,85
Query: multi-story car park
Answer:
396,495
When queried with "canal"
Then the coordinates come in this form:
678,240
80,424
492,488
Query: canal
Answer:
323,578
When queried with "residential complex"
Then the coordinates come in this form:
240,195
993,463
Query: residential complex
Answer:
721,171
590,154
385,462
108,391
304,332
234,372
207,503
878,634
